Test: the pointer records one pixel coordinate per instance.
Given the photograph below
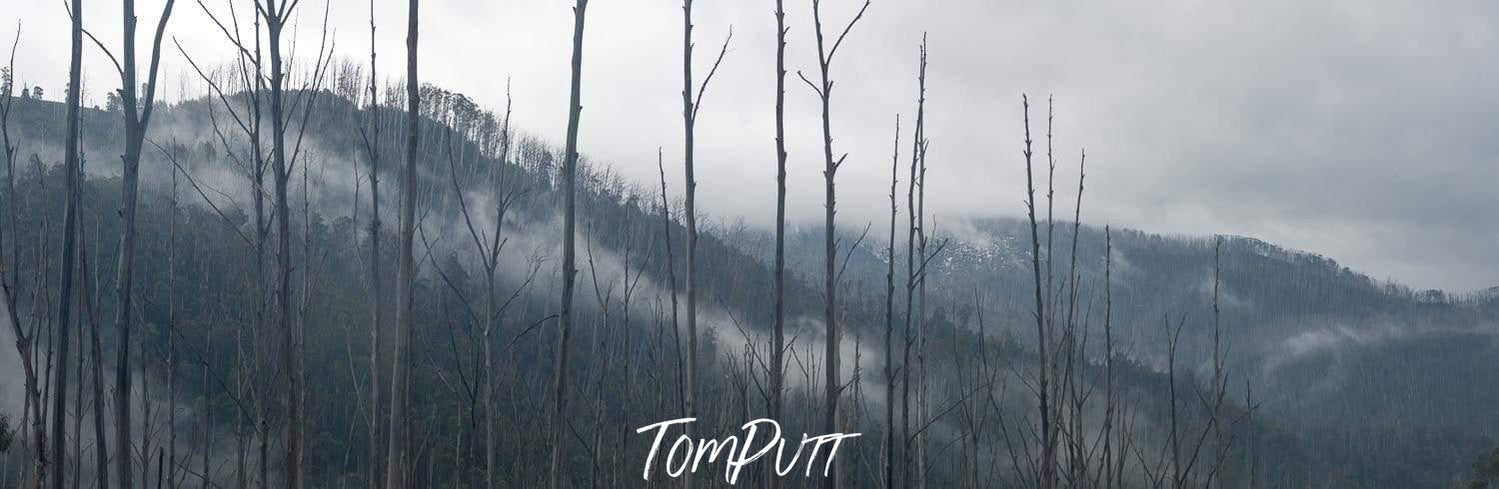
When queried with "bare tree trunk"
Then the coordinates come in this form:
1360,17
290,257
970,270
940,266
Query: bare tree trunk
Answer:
126,262
690,219
1048,455
70,235
147,430
1176,467
1110,396
96,360
137,120
890,320
171,363
372,146
376,285
291,356
778,341
491,264
921,316
1220,386
911,269
207,422
262,231
1076,459
671,273
25,344
830,170
300,326
569,253
89,312
1249,442
396,477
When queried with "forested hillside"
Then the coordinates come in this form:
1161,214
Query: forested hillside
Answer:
1351,380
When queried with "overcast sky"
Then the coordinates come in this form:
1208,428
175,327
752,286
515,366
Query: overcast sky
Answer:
1363,130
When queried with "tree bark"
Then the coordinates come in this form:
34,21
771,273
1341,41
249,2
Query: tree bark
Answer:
396,477
690,219
831,363
137,119
70,235
10,273
1048,455
908,473
171,361
569,253
890,320
372,146
778,342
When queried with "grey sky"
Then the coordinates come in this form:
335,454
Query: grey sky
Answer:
1361,130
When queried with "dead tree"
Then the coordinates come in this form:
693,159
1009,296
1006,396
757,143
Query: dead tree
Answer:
491,310
1173,339
90,308
1249,442
778,338
171,354
1047,463
921,273
137,114
96,361
488,250
396,477
282,162
890,319
1220,386
911,279
601,357
1077,457
24,341
690,106
1110,395
569,251
71,163
372,150
671,274
824,91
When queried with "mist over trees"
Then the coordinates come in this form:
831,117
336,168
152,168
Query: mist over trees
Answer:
543,307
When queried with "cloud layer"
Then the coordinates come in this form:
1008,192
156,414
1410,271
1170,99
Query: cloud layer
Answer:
1359,130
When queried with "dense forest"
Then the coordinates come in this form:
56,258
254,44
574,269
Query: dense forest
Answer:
314,273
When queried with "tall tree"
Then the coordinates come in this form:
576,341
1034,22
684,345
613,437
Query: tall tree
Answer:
283,161
69,244
1047,464
569,251
689,218
10,274
372,150
689,123
1110,396
778,339
396,477
824,92
890,318
912,237
137,104
171,353
487,250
